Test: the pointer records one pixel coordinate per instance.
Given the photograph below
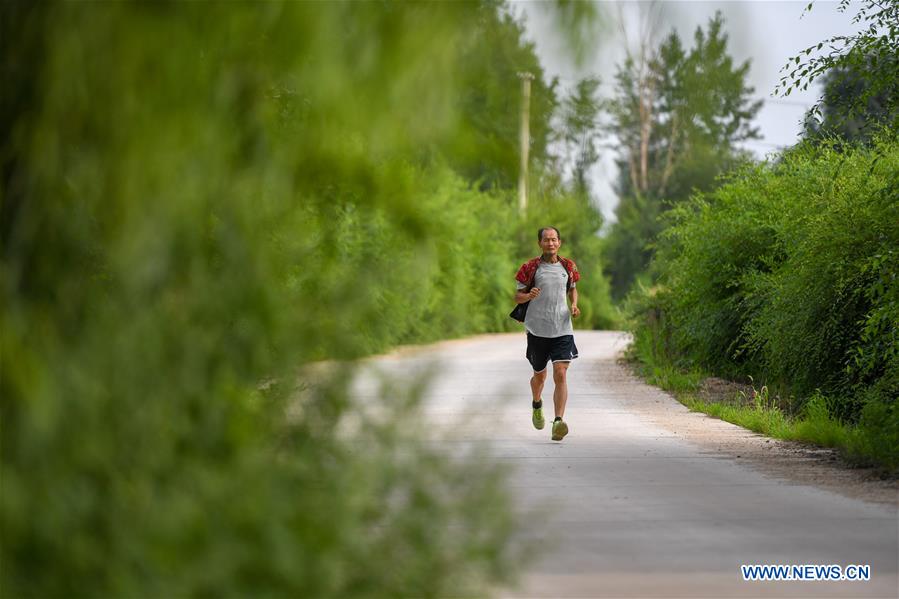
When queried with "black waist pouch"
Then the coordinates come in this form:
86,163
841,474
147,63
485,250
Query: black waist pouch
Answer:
520,311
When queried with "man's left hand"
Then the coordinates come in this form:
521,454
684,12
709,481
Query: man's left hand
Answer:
575,311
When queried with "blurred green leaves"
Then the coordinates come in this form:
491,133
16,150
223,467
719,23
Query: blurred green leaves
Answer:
197,201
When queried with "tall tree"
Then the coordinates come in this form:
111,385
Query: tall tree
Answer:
683,105
580,115
488,96
678,116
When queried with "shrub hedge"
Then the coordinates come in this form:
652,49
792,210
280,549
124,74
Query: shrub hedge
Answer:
790,273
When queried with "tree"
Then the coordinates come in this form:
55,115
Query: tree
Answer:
678,115
580,113
487,92
841,88
678,106
870,54
196,202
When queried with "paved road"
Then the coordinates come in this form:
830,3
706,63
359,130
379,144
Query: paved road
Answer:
629,508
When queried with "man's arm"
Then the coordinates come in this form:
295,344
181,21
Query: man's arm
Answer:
572,296
523,295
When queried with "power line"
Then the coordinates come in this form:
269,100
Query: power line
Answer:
766,99
786,102
767,144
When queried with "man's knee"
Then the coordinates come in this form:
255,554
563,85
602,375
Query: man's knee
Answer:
560,372
539,377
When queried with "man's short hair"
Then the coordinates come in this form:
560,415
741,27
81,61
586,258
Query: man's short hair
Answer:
540,233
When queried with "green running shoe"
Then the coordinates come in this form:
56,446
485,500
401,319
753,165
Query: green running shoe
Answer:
537,418
560,429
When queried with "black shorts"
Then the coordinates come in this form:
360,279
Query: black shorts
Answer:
543,349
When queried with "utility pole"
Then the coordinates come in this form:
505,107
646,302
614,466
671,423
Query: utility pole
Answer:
525,140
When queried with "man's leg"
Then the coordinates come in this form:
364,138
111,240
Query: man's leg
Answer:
538,357
560,394
537,382
536,389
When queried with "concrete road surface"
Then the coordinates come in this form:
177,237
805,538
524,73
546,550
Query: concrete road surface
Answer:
628,508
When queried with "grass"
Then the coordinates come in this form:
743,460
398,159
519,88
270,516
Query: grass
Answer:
670,379
758,411
814,426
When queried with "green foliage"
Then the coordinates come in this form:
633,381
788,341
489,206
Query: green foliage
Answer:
456,280
198,201
705,106
487,93
629,245
789,273
679,114
672,379
838,112
772,423
872,442
818,424
580,114
877,434
870,53
831,295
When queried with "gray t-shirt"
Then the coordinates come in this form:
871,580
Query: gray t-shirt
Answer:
548,315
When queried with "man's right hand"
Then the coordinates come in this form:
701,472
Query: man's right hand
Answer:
533,293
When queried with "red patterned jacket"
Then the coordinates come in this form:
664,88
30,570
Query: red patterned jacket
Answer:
529,269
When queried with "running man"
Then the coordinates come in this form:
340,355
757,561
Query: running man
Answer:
545,281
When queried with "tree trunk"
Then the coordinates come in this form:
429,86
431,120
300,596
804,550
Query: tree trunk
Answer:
646,98
669,159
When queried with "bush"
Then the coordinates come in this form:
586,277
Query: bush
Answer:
876,437
789,273
818,425
199,200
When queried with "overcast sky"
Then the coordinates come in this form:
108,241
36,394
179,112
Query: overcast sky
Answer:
765,32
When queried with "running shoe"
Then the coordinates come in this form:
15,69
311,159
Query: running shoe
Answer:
560,429
537,418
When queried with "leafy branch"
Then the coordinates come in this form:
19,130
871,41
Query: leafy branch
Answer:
872,50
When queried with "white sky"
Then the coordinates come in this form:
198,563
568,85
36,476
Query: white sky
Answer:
765,32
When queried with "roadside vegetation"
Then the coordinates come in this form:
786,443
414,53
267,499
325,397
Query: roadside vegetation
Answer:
757,409
789,274
784,275
199,201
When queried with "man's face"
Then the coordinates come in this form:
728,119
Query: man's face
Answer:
550,242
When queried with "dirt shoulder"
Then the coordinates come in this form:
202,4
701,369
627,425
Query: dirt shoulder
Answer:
788,460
